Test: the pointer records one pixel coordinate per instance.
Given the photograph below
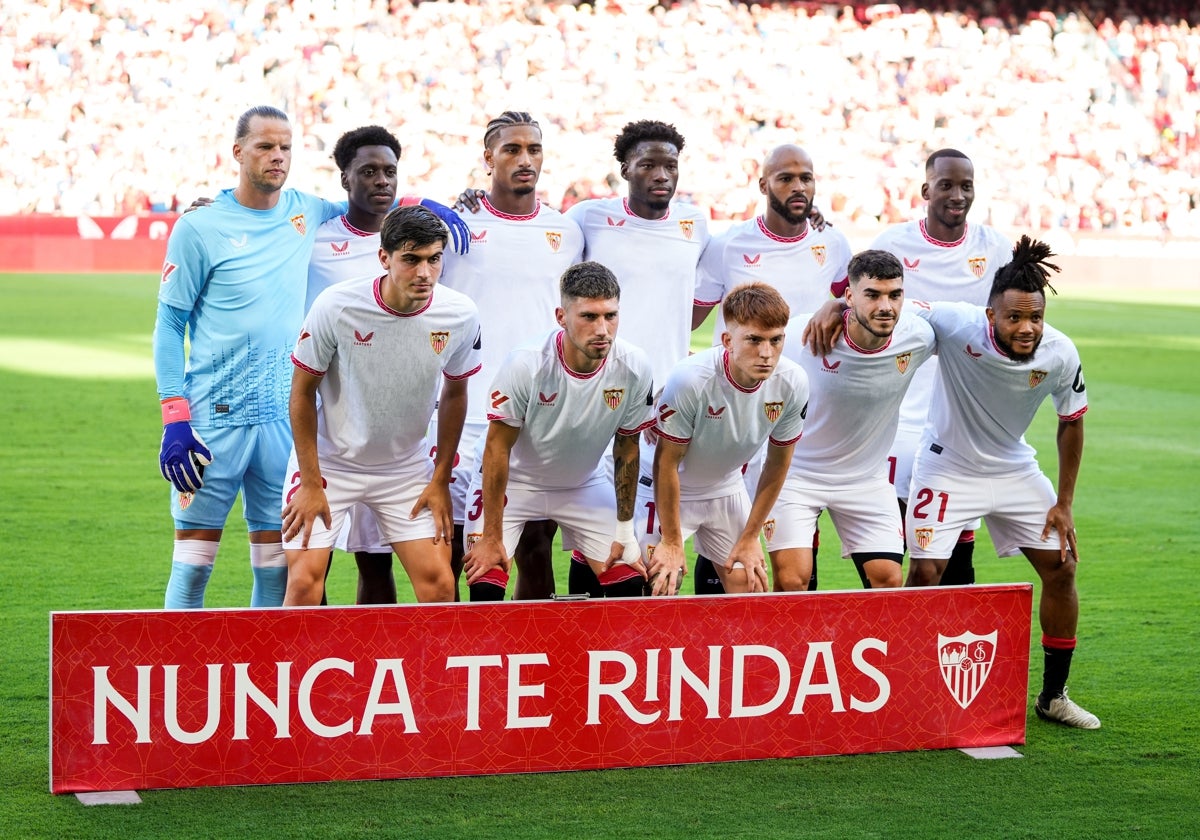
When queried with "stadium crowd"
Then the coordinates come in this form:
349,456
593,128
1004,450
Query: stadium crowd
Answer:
1081,123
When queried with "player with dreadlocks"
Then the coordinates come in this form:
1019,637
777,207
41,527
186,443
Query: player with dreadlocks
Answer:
997,366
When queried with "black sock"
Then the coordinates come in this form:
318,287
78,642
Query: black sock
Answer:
960,571
1055,671
581,580
628,588
812,579
486,591
707,581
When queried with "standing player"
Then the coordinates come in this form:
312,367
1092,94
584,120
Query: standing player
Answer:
519,250
233,280
717,409
781,247
382,354
945,259
233,283
347,248
997,366
555,408
654,247
840,464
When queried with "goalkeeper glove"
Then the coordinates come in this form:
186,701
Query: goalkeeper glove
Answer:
460,234
183,455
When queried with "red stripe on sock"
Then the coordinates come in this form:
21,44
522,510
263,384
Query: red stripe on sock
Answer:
617,574
1055,643
576,557
496,577
966,536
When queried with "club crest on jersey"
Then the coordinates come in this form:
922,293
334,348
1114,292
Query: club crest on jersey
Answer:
613,397
478,237
686,226
472,539
168,270
1036,377
924,537
298,224
769,529
438,339
554,240
818,252
340,248
185,499
902,362
749,260
978,265
965,662
773,410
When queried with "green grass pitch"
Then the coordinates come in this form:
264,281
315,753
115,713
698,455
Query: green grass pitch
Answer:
86,527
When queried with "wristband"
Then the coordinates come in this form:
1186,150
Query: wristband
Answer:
175,410
625,534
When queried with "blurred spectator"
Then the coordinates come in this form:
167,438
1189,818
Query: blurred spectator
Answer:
119,106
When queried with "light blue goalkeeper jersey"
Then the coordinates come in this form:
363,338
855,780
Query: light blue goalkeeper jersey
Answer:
241,276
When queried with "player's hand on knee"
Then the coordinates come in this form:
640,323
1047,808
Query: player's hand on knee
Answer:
756,578
183,454
436,497
485,555
667,568
1059,519
469,200
625,548
307,505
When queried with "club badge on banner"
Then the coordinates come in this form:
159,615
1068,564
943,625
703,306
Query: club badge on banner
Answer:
161,699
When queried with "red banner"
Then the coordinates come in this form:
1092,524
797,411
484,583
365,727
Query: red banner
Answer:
222,697
45,243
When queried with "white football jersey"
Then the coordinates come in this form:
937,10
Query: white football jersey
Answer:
803,268
723,423
655,262
382,370
341,252
568,419
511,272
984,401
854,400
958,272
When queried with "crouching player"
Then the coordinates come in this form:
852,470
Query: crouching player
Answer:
555,407
997,366
716,410
382,354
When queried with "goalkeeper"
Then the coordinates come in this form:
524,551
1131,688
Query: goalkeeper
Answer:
234,281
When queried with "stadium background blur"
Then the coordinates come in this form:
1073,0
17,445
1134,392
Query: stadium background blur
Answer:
1080,120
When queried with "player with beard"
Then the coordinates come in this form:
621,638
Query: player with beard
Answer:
997,366
780,247
519,250
558,405
840,464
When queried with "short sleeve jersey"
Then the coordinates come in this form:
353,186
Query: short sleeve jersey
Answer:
957,272
511,272
854,400
655,262
984,401
802,268
382,371
341,252
723,423
568,419
241,275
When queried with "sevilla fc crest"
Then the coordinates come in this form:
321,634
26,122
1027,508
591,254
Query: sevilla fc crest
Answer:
1036,377
773,410
298,224
554,240
185,499
472,539
769,529
924,537
965,662
613,397
818,252
978,265
686,226
902,362
438,340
